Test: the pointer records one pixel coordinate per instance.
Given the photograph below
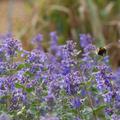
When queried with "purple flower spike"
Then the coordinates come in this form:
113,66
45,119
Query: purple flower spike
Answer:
53,36
54,41
85,39
38,38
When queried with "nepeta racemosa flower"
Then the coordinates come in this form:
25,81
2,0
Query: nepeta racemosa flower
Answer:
85,40
54,41
11,46
62,83
37,41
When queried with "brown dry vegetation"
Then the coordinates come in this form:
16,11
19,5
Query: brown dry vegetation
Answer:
18,15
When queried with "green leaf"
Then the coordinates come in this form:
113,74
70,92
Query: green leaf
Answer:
99,108
20,66
94,89
29,90
5,97
87,110
18,85
27,73
23,66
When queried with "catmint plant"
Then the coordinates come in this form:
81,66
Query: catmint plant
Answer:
63,83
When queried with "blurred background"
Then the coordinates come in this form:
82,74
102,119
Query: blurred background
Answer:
27,18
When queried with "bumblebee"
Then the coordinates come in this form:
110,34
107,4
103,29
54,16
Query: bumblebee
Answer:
102,51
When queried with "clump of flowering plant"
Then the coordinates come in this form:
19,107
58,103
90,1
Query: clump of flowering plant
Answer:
57,84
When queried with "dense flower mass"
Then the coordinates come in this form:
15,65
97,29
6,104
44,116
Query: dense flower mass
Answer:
60,84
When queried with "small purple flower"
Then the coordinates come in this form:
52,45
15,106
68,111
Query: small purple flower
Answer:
85,40
76,102
4,116
54,37
106,59
49,117
50,99
66,70
77,118
89,48
109,111
37,39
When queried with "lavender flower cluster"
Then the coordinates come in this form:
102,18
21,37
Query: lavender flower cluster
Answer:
64,83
